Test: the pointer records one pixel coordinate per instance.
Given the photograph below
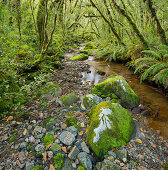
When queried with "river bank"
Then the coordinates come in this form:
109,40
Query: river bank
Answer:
20,141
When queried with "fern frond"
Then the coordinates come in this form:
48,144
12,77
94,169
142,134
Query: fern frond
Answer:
145,59
112,57
159,66
165,56
162,77
152,53
140,67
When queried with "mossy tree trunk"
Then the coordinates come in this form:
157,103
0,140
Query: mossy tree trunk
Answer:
109,23
160,30
135,28
41,21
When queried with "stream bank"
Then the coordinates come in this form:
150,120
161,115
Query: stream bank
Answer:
19,140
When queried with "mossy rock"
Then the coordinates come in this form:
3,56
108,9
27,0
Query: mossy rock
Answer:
37,167
9,91
48,139
50,122
58,161
91,100
69,99
80,57
49,89
116,85
55,148
111,126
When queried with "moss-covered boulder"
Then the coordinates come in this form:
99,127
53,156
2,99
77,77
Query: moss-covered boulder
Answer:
50,122
111,126
80,57
69,99
49,91
91,100
114,86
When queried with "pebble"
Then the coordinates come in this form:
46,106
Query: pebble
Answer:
73,130
50,154
31,139
74,165
39,147
84,158
67,138
84,147
38,129
74,152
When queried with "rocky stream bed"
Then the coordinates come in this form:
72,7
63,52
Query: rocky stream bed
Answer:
49,139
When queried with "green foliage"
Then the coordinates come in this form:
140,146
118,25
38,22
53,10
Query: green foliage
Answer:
12,139
37,167
154,66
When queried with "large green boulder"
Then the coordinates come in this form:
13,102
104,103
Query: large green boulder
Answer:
116,85
69,99
111,126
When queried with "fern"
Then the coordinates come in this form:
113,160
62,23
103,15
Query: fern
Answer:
152,53
141,67
153,70
113,57
145,59
162,77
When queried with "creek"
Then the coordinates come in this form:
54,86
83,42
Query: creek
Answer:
150,97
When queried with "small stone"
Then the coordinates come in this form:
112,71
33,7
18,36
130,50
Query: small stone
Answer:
77,161
111,158
26,140
78,144
31,139
121,164
73,130
67,138
50,154
74,165
34,121
117,162
41,115
121,154
23,145
39,147
38,129
29,128
44,130
29,165
22,156
84,147
74,152
84,158
110,153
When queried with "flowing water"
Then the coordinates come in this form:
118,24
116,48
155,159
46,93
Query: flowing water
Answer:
149,95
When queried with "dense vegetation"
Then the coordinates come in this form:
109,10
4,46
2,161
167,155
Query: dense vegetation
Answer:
35,34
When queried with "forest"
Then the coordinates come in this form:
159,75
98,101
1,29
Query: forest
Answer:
35,35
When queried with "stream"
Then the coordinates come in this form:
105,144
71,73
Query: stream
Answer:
149,96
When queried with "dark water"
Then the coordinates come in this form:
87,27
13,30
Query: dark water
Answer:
149,95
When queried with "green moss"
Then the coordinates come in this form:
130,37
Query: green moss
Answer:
12,139
69,99
115,101
80,57
72,121
37,167
48,139
58,161
119,133
50,122
81,168
116,87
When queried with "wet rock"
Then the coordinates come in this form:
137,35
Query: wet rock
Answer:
23,145
55,148
67,138
73,130
117,85
85,160
110,126
39,148
136,110
74,152
146,113
78,145
50,154
110,153
91,100
31,139
84,147
67,164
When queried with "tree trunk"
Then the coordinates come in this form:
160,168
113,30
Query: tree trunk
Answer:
135,28
160,30
110,25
